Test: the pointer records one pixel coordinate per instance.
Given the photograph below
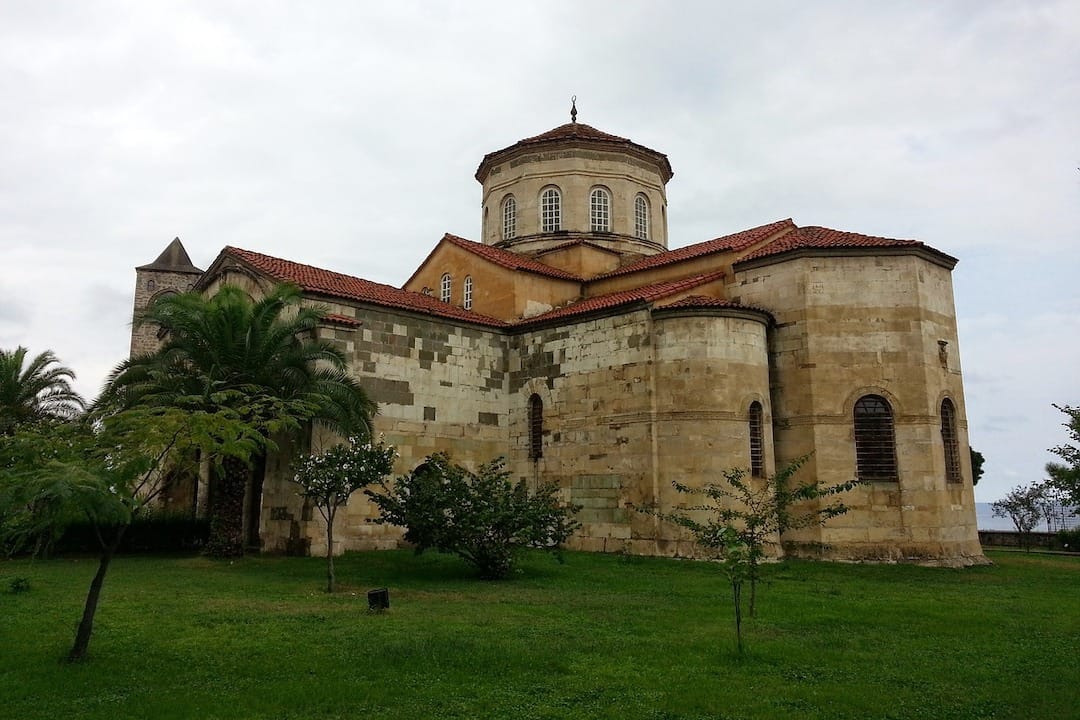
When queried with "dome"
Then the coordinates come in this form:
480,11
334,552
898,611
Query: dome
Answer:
572,183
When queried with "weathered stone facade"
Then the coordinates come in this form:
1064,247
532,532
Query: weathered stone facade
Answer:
649,364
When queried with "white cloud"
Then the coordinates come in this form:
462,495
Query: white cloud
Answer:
346,134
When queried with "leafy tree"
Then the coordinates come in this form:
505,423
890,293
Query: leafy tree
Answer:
106,472
328,479
746,515
36,391
757,511
738,567
1066,476
484,518
1023,505
233,352
1053,505
977,461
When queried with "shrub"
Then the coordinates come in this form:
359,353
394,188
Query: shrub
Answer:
149,532
19,584
484,518
328,479
1069,540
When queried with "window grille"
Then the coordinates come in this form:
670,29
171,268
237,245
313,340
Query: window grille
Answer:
600,210
444,288
757,441
550,210
949,441
468,292
641,217
536,427
509,218
875,440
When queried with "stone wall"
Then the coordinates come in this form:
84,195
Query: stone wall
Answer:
150,285
440,388
849,326
593,377
709,368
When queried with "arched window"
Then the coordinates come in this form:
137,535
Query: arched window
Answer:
536,427
509,218
467,297
599,210
550,210
948,439
875,441
444,288
641,217
151,285
757,441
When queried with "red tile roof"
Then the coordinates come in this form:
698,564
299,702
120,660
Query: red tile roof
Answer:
646,293
576,131
336,319
728,243
703,301
324,282
510,260
572,130
575,243
820,237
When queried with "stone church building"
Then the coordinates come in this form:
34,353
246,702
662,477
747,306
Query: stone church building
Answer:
573,342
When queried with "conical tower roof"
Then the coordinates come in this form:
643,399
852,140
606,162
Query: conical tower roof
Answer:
173,259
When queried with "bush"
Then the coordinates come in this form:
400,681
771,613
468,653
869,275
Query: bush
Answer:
148,532
484,518
1069,540
18,584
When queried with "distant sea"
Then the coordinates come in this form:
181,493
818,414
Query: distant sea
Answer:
984,515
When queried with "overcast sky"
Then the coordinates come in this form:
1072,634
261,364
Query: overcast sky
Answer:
346,135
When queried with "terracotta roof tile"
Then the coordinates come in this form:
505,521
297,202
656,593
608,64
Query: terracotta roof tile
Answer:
703,301
820,237
573,130
510,260
324,282
646,293
336,319
576,131
576,243
728,243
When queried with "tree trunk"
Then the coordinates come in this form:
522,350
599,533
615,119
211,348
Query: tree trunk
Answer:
753,590
736,591
86,626
227,510
330,551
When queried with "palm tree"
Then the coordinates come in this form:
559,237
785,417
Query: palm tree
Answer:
258,357
37,392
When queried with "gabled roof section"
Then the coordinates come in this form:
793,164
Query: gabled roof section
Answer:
346,287
821,238
502,258
173,259
728,243
643,294
577,243
580,133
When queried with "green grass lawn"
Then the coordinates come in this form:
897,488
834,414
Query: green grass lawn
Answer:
597,637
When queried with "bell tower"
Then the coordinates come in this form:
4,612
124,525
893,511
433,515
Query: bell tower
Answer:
172,272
